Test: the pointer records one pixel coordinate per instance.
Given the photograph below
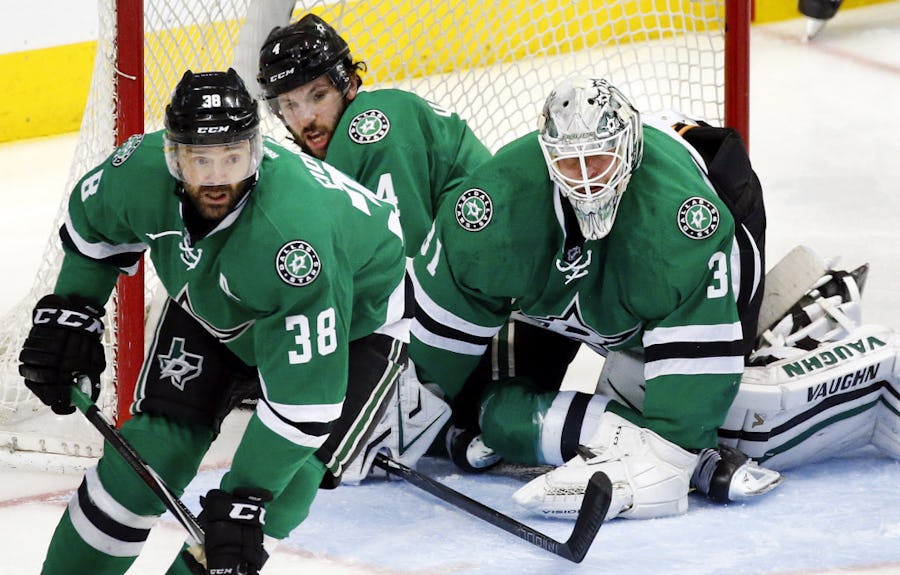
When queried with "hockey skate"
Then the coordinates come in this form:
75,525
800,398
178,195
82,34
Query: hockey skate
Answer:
467,450
725,474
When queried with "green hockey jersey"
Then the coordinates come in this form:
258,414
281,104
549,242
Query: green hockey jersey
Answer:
660,282
408,150
308,261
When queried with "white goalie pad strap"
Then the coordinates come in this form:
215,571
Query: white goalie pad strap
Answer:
650,476
829,311
413,419
814,406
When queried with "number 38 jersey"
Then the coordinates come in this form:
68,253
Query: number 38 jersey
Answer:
306,263
660,282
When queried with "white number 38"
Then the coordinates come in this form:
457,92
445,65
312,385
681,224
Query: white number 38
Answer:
325,336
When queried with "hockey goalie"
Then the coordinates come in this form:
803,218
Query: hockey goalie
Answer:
820,383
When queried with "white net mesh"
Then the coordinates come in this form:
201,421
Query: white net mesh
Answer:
493,62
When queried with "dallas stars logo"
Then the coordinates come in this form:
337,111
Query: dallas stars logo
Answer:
698,218
297,263
474,210
571,323
179,365
124,151
368,127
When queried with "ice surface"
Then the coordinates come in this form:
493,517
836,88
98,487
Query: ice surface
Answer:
824,140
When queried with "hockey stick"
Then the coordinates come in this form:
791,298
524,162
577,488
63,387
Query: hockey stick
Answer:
184,516
593,510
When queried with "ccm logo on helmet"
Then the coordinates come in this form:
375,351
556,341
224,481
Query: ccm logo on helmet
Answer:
212,129
281,75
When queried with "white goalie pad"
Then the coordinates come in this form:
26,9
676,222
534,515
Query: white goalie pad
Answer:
813,405
414,417
650,476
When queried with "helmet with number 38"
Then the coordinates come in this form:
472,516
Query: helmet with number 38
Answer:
213,109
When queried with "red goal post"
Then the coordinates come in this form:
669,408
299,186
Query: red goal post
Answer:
492,61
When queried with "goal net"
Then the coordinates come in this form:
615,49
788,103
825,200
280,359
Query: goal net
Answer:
491,61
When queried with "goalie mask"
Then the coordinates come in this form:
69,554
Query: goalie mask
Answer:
299,53
592,140
212,130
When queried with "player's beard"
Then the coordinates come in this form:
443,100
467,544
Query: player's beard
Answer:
215,202
314,139
318,146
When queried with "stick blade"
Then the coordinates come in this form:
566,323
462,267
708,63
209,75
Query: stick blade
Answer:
594,507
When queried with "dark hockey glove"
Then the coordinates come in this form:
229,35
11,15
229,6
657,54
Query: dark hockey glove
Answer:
64,340
234,530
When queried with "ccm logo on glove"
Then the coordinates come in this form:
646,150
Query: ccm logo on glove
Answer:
68,318
248,512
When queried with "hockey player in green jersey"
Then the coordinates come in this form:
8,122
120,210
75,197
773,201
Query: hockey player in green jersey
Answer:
410,151
274,263
606,230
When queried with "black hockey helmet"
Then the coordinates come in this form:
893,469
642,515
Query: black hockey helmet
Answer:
301,52
211,109
819,9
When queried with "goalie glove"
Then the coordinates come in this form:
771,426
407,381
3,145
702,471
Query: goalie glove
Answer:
650,475
725,474
64,341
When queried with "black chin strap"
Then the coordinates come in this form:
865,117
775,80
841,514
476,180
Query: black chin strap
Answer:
574,243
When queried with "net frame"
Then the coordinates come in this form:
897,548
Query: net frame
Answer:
145,46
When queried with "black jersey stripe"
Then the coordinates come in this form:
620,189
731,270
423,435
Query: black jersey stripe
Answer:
693,349
443,330
122,261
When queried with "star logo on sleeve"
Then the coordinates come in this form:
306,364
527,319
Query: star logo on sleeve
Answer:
297,263
698,218
368,127
474,210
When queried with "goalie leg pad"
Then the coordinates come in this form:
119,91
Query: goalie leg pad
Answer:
814,405
650,475
414,417
887,423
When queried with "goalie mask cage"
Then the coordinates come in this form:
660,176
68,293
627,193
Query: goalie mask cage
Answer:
492,62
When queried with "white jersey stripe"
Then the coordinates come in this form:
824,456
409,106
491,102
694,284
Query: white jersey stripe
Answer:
694,366
715,332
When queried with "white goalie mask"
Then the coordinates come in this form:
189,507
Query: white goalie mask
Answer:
592,140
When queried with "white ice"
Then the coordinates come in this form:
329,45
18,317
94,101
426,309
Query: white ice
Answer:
824,141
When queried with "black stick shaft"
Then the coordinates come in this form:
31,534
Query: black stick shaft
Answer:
144,471
590,517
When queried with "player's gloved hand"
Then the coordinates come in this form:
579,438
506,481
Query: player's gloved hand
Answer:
233,523
64,340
